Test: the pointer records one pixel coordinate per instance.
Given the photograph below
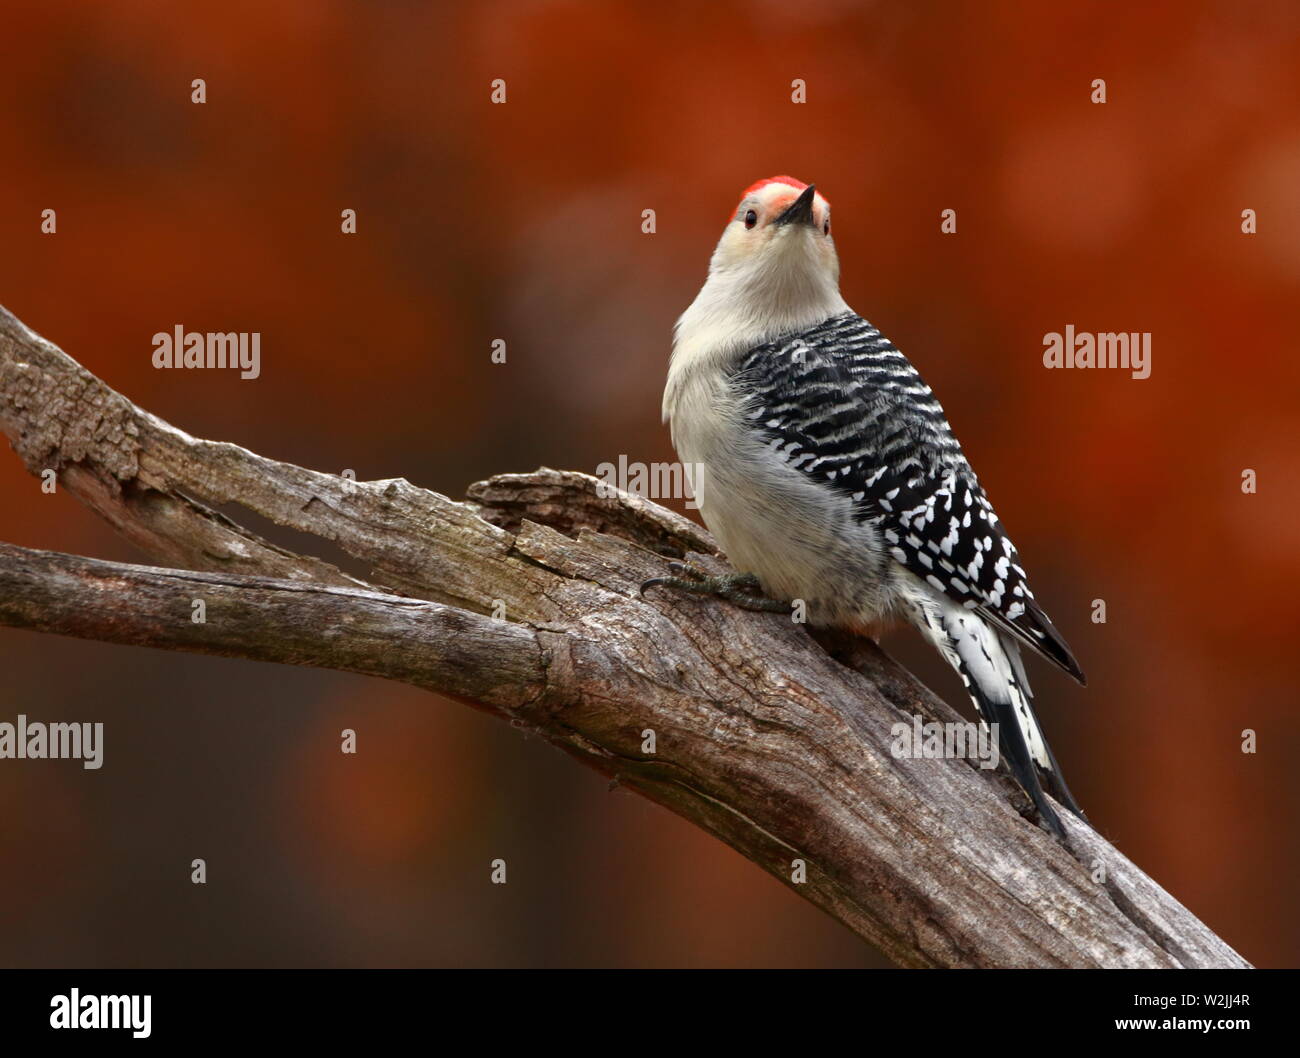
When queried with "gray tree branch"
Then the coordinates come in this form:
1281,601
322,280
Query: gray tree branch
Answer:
524,601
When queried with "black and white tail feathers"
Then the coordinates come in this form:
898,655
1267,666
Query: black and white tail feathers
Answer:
988,661
837,406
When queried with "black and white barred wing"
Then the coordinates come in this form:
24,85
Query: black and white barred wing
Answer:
841,404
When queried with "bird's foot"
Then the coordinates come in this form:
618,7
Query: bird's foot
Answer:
739,589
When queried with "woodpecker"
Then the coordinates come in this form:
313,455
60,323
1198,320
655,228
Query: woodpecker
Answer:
831,475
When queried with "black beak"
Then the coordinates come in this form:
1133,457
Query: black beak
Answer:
800,210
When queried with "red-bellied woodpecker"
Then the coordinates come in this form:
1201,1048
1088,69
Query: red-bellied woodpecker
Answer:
830,474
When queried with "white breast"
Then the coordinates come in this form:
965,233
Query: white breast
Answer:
801,539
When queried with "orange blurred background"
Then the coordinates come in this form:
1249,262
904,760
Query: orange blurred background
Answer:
522,221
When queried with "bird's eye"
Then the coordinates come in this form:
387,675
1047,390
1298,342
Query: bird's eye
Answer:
826,228
751,218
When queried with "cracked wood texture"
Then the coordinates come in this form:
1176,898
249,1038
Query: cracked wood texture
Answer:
775,741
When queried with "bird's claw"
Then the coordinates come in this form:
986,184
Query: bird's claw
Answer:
740,589
681,572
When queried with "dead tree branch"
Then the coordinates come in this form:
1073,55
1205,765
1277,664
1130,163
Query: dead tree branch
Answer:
777,743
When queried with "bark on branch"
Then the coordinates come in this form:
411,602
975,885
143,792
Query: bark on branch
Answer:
776,742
